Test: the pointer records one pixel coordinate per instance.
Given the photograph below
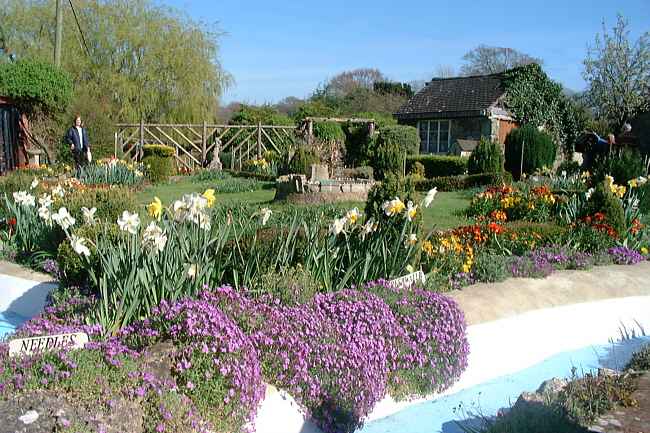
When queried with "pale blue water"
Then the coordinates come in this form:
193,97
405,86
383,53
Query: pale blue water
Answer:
486,399
9,322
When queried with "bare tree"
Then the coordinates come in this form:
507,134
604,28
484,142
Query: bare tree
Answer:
444,71
618,74
484,60
345,82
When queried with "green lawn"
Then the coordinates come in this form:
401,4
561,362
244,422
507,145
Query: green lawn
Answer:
445,212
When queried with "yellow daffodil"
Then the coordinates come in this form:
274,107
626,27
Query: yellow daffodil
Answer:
393,207
411,211
633,183
155,208
209,196
644,251
620,191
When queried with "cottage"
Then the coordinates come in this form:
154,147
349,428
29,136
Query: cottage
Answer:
461,108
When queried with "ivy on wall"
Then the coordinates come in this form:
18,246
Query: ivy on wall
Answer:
36,85
535,99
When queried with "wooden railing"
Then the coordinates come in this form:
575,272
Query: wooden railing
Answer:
195,143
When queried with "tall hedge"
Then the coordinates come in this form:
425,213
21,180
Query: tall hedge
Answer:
438,165
406,137
329,131
539,150
486,158
35,84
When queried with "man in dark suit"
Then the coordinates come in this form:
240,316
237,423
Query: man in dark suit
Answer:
77,138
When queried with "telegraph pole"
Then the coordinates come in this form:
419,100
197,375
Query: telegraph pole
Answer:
59,33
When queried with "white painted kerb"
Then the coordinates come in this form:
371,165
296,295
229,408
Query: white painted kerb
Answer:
23,297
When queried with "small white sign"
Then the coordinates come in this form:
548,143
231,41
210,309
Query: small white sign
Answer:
409,280
27,346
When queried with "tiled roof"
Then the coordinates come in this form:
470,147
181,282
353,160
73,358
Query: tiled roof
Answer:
467,145
453,97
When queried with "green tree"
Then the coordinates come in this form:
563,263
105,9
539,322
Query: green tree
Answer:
618,74
144,61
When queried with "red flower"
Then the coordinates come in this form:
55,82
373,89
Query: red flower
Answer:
11,221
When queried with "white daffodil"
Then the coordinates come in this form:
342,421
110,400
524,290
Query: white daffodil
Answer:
34,184
353,215
79,246
589,193
412,239
369,227
191,272
45,214
63,218
265,214
154,237
24,198
393,207
338,225
58,191
411,210
45,200
129,222
430,196
89,215
642,180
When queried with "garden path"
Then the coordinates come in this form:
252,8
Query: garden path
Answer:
488,302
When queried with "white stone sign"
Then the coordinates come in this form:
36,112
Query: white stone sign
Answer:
409,280
27,346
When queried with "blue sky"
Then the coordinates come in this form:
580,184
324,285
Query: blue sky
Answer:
281,48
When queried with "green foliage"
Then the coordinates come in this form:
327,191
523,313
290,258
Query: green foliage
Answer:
539,150
158,150
35,84
291,286
534,98
457,183
157,168
359,145
392,186
486,158
604,201
388,87
110,174
640,360
329,131
437,166
570,168
73,268
490,268
302,161
136,48
388,158
622,166
363,172
381,119
264,114
405,136
110,202
586,398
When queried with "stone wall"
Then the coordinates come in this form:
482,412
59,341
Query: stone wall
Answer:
296,188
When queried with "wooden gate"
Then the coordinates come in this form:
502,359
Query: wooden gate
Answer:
194,144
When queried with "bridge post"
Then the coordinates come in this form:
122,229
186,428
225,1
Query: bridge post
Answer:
259,140
204,141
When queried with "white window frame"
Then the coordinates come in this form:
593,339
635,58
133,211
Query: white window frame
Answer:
434,148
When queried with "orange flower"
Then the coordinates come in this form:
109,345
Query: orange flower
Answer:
495,228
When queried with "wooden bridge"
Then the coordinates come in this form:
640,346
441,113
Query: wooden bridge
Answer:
194,144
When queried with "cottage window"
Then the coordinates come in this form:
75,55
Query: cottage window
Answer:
434,136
